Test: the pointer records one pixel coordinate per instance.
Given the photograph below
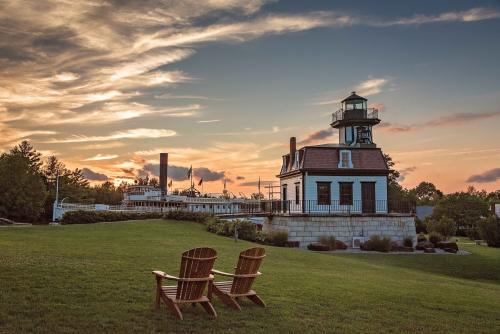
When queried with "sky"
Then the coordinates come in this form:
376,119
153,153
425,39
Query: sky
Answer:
223,84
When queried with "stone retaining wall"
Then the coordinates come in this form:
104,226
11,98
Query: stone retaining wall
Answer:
308,229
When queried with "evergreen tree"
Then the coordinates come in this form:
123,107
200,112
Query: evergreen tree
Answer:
22,191
26,150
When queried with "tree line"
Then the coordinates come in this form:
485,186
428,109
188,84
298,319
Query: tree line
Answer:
467,209
28,185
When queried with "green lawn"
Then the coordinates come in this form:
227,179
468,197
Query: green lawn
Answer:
96,278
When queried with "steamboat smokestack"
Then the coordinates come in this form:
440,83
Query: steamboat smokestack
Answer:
163,171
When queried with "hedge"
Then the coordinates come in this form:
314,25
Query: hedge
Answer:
91,217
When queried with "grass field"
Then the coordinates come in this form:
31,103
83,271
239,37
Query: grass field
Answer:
96,278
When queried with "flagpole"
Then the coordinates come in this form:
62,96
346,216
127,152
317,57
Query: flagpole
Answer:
192,185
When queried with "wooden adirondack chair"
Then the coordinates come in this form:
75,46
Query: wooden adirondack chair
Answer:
196,265
245,273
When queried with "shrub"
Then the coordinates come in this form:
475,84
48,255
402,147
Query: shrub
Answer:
277,238
199,217
328,240
91,217
420,225
421,237
435,238
444,225
408,242
261,236
377,243
490,231
246,230
318,247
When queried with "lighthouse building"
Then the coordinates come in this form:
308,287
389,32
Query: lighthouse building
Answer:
348,177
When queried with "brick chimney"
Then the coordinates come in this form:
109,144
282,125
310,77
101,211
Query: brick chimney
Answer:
293,149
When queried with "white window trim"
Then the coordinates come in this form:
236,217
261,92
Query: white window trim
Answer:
341,152
296,159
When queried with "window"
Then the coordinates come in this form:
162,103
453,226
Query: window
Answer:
324,195
345,193
297,159
297,192
345,159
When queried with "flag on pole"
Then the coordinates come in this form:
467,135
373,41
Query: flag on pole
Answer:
190,171
200,182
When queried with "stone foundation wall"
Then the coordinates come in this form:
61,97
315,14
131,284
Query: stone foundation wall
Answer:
308,229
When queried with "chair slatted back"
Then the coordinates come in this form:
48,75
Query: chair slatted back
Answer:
248,264
195,263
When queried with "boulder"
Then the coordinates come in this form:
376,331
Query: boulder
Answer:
448,244
450,250
340,245
429,250
318,247
424,244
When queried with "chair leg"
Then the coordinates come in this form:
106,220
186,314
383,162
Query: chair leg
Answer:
158,294
173,308
209,308
227,300
257,300
210,290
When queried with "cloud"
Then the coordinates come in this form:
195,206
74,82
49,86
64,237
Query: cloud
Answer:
239,178
208,175
372,86
491,175
455,119
365,88
100,157
178,173
317,136
92,63
461,118
93,176
392,127
471,15
209,121
126,134
403,173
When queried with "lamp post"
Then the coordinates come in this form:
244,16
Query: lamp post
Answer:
54,209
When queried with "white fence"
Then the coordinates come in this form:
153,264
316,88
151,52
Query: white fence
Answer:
197,205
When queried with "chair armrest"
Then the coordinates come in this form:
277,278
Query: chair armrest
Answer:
222,273
161,274
257,274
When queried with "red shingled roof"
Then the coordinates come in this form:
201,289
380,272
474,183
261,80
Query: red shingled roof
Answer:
327,158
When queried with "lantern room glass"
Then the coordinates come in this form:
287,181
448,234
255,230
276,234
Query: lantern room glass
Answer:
355,104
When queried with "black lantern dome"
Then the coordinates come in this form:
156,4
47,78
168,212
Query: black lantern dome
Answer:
354,102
